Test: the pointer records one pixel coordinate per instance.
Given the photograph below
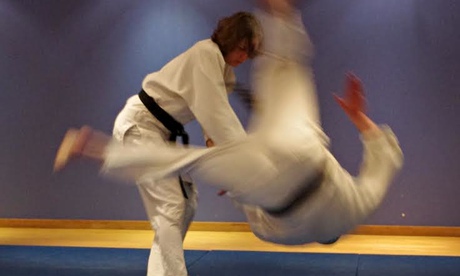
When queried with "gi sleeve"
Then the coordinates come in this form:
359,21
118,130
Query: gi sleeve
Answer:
382,159
347,201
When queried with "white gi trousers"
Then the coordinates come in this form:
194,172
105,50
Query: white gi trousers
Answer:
168,211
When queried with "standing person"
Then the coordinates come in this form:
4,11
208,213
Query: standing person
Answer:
191,86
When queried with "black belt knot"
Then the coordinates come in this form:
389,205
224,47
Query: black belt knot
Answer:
175,128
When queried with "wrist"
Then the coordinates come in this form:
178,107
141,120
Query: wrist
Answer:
363,123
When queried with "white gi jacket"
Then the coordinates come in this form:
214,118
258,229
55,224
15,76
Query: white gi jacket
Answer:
195,85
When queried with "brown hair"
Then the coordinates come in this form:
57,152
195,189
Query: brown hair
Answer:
231,30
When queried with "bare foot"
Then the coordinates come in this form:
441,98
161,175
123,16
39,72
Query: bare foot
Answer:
72,146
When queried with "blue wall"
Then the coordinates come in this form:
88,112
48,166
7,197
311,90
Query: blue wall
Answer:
65,63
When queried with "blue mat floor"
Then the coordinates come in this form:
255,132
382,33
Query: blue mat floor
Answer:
63,261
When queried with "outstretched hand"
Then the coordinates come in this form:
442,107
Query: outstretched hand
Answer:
354,103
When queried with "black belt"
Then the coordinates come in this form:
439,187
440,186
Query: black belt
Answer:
175,128
308,189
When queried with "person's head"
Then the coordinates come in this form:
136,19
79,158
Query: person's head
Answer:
239,37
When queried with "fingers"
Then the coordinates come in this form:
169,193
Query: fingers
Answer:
353,99
343,104
354,93
339,100
353,84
